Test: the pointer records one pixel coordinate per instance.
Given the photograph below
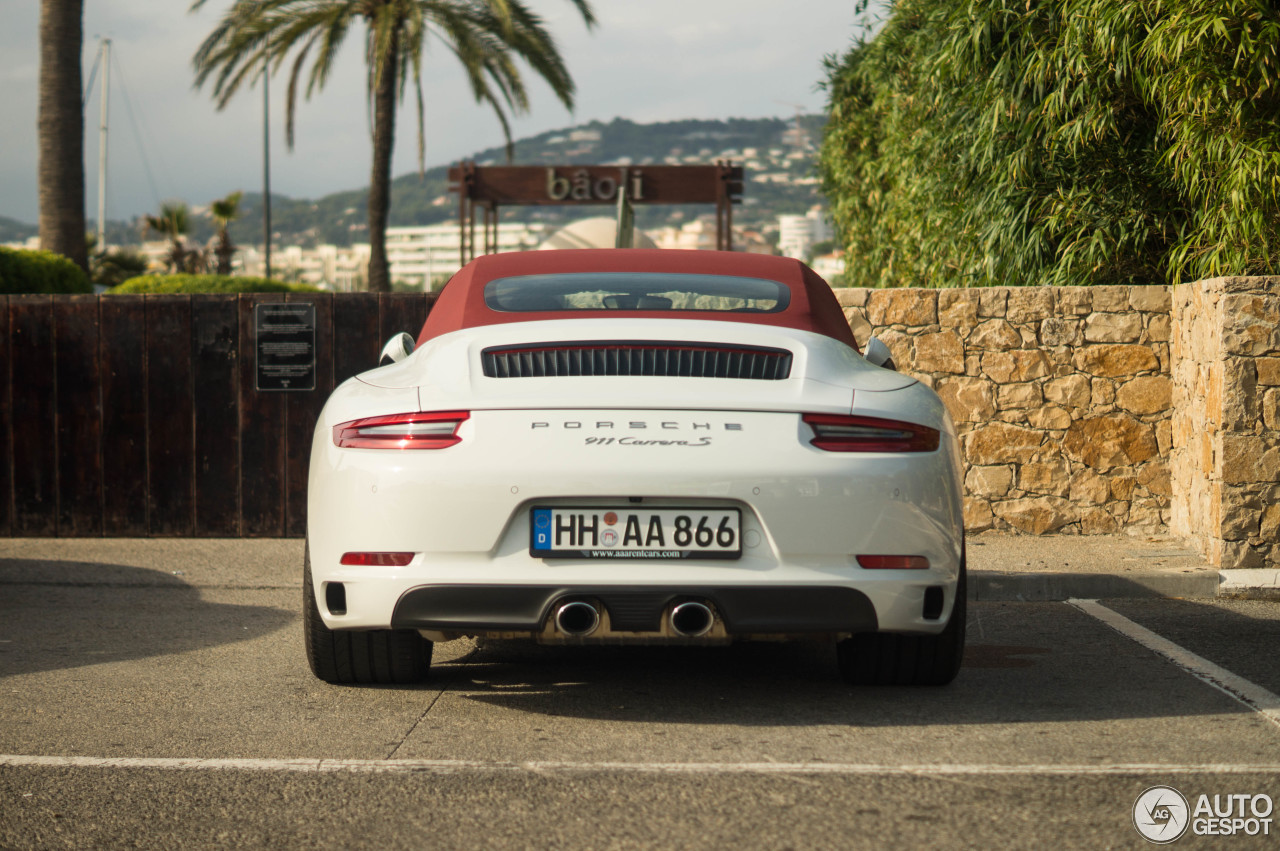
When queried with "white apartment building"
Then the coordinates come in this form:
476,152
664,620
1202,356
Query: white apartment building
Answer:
798,234
829,266
330,267
699,234
421,254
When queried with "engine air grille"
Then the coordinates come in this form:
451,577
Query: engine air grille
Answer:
676,360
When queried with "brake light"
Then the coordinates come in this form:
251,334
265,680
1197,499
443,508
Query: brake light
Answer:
845,433
894,562
377,559
430,430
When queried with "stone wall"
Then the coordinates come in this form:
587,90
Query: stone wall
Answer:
1226,424
1062,397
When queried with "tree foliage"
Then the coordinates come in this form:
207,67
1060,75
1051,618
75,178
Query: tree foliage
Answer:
224,211
112,266
486,36
174,223
1058,142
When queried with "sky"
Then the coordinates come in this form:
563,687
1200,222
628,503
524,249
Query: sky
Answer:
647,61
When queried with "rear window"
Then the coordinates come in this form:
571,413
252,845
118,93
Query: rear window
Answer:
624,291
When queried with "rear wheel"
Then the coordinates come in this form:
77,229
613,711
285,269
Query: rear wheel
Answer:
887,659
383,656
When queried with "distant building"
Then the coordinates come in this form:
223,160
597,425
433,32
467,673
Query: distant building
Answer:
798,234
829,266
424,254
699,234
594,232
330,267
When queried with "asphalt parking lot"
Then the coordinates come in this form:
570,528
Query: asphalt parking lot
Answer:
154,694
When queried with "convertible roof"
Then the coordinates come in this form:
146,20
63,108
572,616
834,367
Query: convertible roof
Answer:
813,307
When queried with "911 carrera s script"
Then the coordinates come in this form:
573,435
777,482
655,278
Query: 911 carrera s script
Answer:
638,425
637,441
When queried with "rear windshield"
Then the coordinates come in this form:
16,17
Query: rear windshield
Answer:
635,291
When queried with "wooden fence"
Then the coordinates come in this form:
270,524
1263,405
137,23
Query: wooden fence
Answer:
138,416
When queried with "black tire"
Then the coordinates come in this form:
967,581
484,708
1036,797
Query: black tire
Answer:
888,659
379,656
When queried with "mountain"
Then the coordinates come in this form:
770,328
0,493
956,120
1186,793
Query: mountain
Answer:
12,230
777,153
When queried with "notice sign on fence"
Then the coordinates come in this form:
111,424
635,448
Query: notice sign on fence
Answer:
286,343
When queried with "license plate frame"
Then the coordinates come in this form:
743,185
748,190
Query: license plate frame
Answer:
635,522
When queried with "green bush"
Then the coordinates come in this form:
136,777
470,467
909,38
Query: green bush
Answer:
23,271
112,268
1067,142
169,284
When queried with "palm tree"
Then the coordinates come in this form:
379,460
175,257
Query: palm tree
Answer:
224,212
173,223
486,36
61,130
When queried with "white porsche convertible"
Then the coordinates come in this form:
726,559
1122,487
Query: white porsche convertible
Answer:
635,446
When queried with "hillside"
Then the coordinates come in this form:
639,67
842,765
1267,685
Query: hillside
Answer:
12,230
422,200
775,150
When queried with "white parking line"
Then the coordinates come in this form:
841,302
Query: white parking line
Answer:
441,766
1253,696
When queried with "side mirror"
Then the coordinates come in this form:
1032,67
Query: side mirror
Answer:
878,354
397,349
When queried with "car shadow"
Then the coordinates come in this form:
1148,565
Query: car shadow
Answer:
57,614
1024,662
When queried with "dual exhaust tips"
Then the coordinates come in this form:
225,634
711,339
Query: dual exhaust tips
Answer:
579,618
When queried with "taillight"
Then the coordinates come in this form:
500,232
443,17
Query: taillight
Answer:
431,430
845,433
377,559
893,562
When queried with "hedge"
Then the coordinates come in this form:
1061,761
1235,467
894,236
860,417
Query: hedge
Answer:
24,271
157,284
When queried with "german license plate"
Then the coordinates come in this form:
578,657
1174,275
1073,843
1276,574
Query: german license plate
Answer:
645,533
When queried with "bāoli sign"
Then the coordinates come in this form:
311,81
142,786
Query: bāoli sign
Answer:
501,186
483,190
581,185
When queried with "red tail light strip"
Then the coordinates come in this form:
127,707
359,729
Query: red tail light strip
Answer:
845,433
894,562
377,559
431,430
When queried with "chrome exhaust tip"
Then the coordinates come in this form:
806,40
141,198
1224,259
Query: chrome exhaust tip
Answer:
577,618
692,619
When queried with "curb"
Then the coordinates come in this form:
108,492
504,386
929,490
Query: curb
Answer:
1250,584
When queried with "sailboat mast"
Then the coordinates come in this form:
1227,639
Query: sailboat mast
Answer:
102,148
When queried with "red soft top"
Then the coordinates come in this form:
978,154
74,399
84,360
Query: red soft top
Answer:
813,307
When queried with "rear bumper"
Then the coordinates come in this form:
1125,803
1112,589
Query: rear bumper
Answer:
744,610
465,515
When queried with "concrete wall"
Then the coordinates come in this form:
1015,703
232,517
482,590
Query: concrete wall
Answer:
1226,421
